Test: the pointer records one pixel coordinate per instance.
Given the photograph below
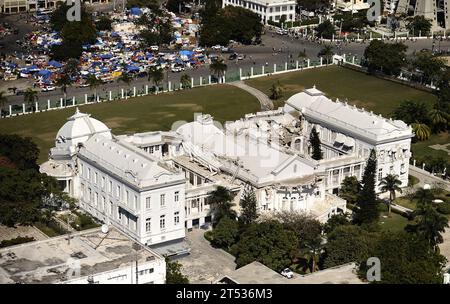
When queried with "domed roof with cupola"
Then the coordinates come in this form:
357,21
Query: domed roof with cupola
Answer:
79,128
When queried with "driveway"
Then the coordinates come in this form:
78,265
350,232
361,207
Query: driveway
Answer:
205,264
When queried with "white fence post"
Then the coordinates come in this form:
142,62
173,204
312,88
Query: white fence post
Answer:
48,104
37,106
134,91
262,69
201,82
85,98
98,98
192,82
23,108
146,88
10,110
285,66
309,62
122,93
169,85
274,67
73,100
240,73
110,96
321,61
251,71
353,59
296,65
209,79
61,103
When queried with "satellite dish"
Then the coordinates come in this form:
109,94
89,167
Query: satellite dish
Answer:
105,228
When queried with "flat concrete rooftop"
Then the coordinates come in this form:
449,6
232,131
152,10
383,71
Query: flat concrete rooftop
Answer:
54,260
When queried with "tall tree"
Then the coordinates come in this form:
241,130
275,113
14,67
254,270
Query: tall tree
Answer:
350,188
366,211
185,81
419,25
93,82
63,82
327,53
30,97
174,274
225,233
221,201
326,30
421,130
388,58
156,75
390,183
218,67
248,203
315,142
3,101
276,90
430,225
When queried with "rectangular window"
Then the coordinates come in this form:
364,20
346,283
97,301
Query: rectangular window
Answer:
89,174
127,197
135,202
163,200
95,178
156,148
176,196
118,191
111,208
151,149
103,182
148,204
380,174
148,224
96,199
110,187
162,222
176,218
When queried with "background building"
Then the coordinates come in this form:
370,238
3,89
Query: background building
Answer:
272,10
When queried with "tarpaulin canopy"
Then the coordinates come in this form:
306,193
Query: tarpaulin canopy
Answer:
55,64
131,68
45,73
106,56
136,11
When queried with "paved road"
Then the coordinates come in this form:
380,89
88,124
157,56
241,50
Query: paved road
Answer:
205,264
426,178
266,103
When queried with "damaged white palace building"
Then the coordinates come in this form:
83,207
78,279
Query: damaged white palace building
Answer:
154,185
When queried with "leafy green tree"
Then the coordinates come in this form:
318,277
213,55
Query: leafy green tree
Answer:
350,187
93,82
267,243
3,101
423,196
225,233
335,221
325,30
276,91
315,142
156,75
327,53
412,112
218,67
390,183
388,58
22,151
104,24
366,211
419,25
430,225
221,201
406,259
174,274
432,67
348,243
71,67
248,204
30,97
64,82
439,118
185,81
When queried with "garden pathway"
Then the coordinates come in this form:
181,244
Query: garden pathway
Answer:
266,103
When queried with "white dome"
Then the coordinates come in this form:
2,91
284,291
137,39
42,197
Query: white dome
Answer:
79,128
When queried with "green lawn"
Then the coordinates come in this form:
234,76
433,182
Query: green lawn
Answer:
393,222
362,90
378,95
140,114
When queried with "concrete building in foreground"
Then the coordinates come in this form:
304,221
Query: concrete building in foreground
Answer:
153,185
268,10
89,257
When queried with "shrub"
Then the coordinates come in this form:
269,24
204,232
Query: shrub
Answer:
444,208
16,241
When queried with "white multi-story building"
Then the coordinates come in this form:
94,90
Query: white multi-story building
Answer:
267,9
22,6
88,257
154,185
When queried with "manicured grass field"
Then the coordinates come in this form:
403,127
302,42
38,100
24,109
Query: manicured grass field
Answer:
393,222
371,93
140,114
375,94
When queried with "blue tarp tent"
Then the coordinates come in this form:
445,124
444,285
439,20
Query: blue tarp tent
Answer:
132,68
55,64
136,11
188,54
106,56
45,73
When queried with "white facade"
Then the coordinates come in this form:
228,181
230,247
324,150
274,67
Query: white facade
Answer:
21,6
267,9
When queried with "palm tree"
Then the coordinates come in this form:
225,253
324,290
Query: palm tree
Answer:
430,225
422,131
93,83
276,91
3,101
156,75
439,118
327,53
390,184
185,81
64,81
423,196
30,97
218,68
221,204
302,55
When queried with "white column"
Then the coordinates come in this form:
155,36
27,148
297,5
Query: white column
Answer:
309,61
201,82
321,60
251,71
353,59
134,91
192,82
98,98
10,110
285,66
240,73
274,67
262,69
296,65
48,104
209,79
110,95
122,94
146,89
23,108
73,100
85,98
170,86
60,102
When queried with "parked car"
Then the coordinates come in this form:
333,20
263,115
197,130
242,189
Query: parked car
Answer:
177,69
216,47
287,273
240,57
154,48
233,56
199,50
48,89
